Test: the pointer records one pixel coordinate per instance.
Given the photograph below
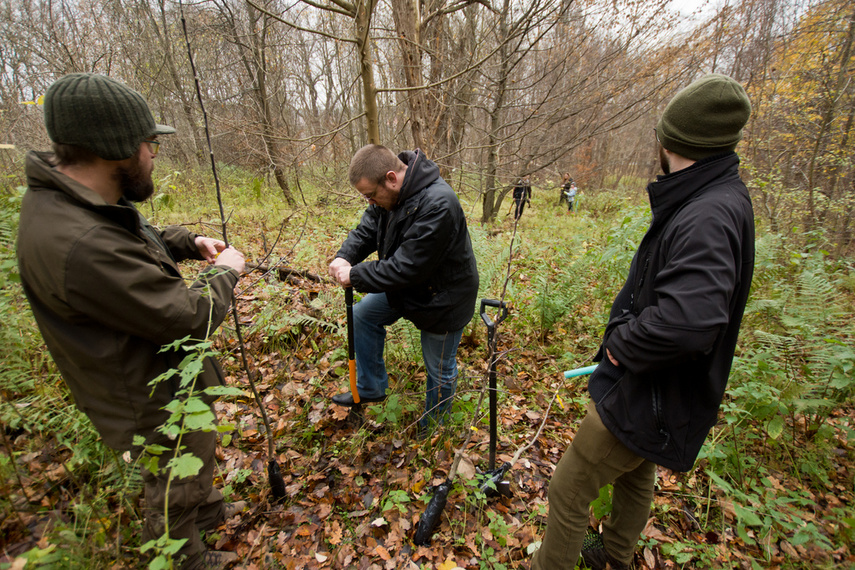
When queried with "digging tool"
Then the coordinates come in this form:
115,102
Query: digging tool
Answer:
430,518
580,371
493,480
274,473
356,410
434,509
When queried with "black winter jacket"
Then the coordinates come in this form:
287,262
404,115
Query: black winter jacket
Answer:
673,327
425,263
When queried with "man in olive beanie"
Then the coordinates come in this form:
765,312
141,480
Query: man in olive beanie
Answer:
106,291
669,343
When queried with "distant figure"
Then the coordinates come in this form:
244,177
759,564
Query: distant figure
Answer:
569,192
565,187
522,195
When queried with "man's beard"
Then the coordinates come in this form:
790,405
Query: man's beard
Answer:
663,161
136,185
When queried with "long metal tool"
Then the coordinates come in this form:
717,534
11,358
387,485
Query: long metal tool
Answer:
429,520
491,344
356,410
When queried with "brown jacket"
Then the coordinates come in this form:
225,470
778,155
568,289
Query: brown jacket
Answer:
106,293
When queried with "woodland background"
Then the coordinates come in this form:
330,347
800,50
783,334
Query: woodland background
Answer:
492,91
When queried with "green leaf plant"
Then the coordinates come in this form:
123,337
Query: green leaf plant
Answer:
188,412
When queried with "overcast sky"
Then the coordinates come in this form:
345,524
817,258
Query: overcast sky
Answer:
687,7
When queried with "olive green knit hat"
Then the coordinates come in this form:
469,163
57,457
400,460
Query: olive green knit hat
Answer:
99,114
705,118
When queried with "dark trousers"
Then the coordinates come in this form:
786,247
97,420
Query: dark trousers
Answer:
595,459
192,503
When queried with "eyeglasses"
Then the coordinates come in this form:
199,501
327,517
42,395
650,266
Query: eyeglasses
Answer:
154,145
655,132
373,193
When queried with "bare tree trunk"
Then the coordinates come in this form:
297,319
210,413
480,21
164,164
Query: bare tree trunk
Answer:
832,99
366,69
407,24
489,204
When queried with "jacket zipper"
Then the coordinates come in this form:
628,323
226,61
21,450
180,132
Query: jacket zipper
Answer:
657,415
637,290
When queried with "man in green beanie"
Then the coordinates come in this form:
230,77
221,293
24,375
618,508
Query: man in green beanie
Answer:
669,343
106,292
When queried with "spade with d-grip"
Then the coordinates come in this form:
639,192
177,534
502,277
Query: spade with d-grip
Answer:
492,482
430,518
433,511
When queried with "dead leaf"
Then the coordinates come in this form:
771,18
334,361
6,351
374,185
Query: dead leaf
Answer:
466,469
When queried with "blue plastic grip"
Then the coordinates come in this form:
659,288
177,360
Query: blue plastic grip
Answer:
579,371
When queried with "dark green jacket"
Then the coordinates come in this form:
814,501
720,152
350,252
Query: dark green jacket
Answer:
107,294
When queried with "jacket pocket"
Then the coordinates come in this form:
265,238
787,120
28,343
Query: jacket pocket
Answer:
659,416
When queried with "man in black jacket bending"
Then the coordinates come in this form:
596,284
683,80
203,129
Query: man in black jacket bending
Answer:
425,271
669,343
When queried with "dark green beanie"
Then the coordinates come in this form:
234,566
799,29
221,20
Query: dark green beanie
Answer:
100,115
705,118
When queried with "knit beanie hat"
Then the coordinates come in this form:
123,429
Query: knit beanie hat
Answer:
705,118
99,114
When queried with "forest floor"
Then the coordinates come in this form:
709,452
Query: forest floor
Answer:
355,496
355,492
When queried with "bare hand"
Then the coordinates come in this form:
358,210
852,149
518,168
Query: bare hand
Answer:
612,358
230,257
340,271
209,247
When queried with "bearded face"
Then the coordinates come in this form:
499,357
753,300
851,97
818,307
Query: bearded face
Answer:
664,164
135,180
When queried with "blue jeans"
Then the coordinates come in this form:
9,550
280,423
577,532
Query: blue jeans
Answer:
371,316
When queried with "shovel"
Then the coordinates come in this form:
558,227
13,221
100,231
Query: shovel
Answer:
356,410
493,482
434,509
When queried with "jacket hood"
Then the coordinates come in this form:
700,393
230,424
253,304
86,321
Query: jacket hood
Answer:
421,173
41,172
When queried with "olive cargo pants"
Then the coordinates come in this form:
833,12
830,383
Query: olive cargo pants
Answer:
594,459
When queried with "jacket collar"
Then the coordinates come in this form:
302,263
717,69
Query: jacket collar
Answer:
42,174
670,191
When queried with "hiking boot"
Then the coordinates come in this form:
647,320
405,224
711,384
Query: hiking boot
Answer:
231,509
595,557
219,559
346,399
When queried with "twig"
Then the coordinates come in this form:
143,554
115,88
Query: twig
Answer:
244,361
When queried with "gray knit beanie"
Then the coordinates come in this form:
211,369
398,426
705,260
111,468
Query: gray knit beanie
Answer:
100,115
705,118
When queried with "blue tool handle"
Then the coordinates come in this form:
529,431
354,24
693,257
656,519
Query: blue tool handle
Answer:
579,371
